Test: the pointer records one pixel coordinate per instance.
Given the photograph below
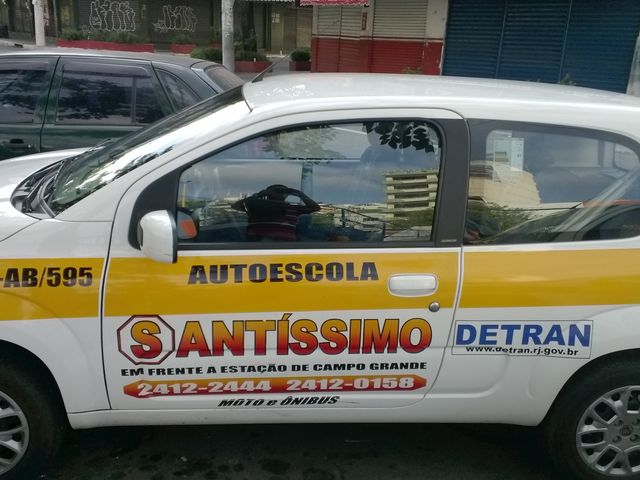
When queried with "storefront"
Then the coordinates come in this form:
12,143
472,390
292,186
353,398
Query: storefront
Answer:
580,42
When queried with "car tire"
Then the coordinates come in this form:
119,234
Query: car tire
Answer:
593,430
31,427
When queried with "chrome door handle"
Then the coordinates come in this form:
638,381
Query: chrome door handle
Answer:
413,285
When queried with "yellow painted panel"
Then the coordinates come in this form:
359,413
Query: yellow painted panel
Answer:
551,278
32,289
281,282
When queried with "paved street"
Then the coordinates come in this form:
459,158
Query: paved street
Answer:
303,452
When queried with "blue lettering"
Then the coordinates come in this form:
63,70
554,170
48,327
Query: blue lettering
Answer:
465,335
584,337
488,334
510,329
531,332
555,336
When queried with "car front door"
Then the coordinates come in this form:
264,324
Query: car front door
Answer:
317,267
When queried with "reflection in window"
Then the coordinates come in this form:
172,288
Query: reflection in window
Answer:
543,185
355,182
179,93
106,95
20,89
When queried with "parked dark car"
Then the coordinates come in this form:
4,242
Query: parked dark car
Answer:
54,99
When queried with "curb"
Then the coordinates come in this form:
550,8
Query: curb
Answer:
7,42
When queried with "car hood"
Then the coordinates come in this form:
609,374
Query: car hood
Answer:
12,173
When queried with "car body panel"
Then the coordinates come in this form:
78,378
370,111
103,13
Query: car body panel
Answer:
505,319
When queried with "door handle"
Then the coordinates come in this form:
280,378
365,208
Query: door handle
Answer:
17,144
413,285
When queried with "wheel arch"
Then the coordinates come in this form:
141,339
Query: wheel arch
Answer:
22,359
632,354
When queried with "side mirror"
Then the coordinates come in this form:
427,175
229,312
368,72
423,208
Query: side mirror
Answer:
157,236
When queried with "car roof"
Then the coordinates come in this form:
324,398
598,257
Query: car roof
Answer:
181,60
360,88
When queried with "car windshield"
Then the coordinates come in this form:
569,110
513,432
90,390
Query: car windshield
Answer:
84,174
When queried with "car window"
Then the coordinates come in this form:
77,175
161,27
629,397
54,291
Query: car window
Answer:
179,93
531,183
21,85
222,77
106,94
372,181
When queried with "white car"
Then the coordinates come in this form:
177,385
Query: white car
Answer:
334,248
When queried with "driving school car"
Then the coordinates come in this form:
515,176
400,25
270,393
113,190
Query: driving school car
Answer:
334,248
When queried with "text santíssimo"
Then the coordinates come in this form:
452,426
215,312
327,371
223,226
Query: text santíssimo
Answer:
300,337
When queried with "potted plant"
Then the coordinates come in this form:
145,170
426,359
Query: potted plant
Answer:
248,61
300,60
125,41
182,43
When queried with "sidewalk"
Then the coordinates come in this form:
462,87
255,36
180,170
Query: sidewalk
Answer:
280,66
280,62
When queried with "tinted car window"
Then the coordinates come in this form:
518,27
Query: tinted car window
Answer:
21,84
349,182
179,93
146,103
222,77
105,94
532,183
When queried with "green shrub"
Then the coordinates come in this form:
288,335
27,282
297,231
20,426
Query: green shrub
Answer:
183,39
250,56
207,53
117,37
72,34
301,55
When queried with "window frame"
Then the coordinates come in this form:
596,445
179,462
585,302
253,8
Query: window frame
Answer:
448,220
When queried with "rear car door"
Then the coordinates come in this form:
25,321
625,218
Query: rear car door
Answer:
337,290
24,86
550,263
93,99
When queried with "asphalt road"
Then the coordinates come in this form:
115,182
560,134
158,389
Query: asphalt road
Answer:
304,452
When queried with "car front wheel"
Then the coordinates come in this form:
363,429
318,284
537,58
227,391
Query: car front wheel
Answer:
30,426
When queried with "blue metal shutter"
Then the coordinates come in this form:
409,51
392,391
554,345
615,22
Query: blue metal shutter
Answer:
474,31
533,40
600,43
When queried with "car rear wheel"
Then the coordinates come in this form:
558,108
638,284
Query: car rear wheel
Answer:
30,425
593,431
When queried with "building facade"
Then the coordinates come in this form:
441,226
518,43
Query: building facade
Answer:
584,42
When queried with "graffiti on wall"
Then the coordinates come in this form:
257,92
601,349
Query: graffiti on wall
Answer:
176,18
112,16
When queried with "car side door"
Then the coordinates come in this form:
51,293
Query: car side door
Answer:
338,293
550,261
24,85
93,99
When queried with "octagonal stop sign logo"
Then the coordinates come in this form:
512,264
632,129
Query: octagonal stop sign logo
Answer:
146,339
